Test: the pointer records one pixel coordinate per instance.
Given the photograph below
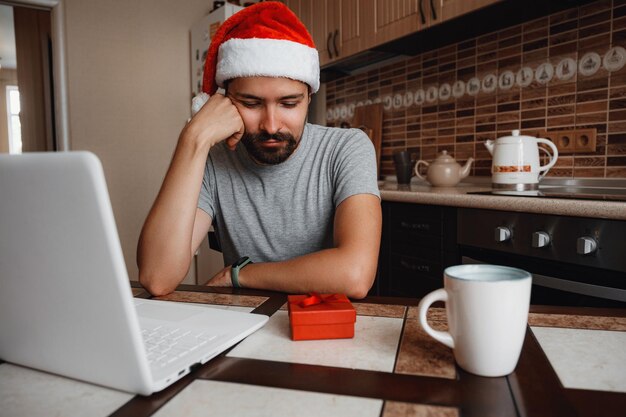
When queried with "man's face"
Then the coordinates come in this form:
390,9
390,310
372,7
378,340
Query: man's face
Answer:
274,112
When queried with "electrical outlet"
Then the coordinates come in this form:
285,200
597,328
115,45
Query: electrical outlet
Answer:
547,135
565,141
573,141
585,140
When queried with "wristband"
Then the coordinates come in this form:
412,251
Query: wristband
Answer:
236,267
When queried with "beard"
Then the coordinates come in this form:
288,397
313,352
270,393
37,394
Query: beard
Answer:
269,155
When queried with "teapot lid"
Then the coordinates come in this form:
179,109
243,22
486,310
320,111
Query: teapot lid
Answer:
515,137
445,158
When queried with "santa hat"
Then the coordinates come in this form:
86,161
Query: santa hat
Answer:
265,39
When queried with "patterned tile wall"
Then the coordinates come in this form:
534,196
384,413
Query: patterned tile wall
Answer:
552,73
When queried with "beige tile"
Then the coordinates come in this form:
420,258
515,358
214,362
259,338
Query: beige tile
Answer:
373,347
217,398
26,392
585,359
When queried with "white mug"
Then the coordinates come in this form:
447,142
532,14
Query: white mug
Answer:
487,311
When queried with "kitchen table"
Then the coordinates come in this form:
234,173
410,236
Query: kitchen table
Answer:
572,363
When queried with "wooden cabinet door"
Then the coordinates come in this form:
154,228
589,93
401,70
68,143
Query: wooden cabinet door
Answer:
454,8
348,27
313,14
392,19
335,25
294,5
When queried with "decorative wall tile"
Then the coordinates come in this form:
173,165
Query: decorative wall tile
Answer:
557,72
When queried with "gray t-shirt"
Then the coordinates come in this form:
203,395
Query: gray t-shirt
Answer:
277,212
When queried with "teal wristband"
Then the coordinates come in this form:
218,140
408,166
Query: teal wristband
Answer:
236,267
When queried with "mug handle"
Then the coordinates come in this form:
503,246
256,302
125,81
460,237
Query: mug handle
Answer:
417,170
424,305
553,158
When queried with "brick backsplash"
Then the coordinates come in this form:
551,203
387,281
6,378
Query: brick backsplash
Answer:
585,94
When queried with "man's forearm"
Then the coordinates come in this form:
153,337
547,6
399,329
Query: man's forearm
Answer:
348,268
164,251
329,271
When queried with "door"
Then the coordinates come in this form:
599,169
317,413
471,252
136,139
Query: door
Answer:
33,43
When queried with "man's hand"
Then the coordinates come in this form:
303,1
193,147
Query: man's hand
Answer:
221,279
216,121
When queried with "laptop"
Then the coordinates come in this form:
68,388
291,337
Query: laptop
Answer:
66,305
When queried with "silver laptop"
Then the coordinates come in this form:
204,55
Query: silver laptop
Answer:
66,305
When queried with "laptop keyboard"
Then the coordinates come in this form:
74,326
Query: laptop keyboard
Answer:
167,344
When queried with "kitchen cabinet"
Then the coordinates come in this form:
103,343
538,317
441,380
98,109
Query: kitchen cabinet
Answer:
335,25
392,19
418,242
342,28
315,16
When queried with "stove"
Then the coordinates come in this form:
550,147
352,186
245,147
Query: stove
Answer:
579,189
574,260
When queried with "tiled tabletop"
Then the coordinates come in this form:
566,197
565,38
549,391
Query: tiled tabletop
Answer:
390,368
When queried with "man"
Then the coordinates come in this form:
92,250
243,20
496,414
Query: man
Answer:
300,201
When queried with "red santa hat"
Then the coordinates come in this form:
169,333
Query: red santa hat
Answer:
265,39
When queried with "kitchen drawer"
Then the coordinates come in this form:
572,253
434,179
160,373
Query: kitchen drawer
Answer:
412,277
408,265
414,251
423,232
418,242
414,220
426,226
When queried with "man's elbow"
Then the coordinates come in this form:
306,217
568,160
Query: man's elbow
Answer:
361,281
155,285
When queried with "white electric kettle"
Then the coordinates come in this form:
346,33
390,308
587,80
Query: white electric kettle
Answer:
516,164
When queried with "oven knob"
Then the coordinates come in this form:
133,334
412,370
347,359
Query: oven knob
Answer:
586,245
502,234
541,239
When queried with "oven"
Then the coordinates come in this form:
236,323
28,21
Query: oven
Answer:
574,261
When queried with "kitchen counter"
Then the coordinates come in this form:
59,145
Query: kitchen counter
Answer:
422,193
571,364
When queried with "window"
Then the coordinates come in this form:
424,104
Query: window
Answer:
13,118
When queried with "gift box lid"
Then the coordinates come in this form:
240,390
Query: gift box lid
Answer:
320,309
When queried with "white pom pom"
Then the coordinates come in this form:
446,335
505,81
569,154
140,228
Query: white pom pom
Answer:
197,103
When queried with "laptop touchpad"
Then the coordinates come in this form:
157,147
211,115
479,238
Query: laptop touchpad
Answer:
166,312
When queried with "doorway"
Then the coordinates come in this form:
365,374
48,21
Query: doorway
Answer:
27,119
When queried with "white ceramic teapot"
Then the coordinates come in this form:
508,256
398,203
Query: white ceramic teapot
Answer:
444,171
516,161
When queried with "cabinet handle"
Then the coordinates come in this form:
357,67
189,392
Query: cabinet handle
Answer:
432,8
422,17
415,226
330,51
413,267
335,43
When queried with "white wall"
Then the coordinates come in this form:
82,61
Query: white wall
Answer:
129,95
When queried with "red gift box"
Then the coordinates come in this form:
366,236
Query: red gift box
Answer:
321,316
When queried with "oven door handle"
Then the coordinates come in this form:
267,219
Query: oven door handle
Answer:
609,293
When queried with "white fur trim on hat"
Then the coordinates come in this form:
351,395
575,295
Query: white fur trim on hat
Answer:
197,103
256,57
